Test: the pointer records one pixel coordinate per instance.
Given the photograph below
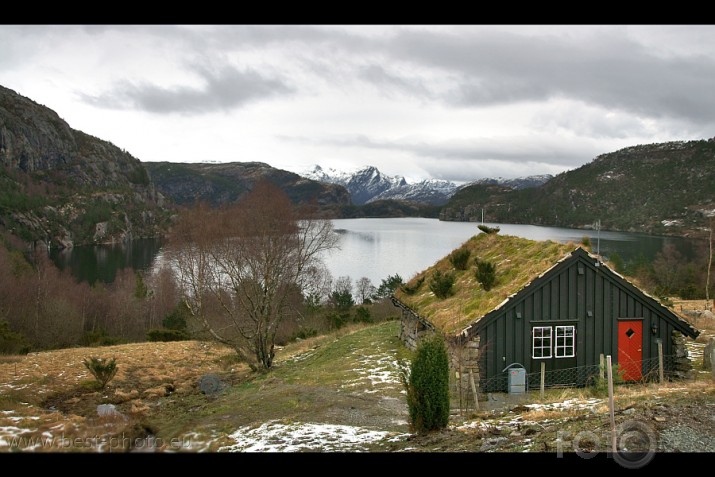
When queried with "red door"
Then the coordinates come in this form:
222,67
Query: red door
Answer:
630,349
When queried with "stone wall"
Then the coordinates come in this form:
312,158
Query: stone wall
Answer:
412,327
682,365
463,355
463,359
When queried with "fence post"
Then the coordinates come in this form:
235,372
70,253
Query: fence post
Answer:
474,390
609,371
660,360
543,379
602,367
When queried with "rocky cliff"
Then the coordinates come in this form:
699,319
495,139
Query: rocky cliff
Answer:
63,187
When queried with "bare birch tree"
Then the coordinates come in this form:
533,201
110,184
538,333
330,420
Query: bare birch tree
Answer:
253,260
710,263
365,290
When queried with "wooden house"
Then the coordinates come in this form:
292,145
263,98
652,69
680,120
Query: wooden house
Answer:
552,303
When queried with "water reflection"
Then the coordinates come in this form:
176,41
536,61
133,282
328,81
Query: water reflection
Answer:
376,248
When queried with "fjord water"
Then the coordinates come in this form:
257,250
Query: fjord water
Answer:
376,248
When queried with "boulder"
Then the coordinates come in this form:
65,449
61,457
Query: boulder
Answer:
707,354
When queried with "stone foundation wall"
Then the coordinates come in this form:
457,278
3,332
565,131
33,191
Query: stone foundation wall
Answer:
463,360
412,330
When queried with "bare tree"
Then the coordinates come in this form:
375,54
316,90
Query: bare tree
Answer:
710,262
252,260
365,289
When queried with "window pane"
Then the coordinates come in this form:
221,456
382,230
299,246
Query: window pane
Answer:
565,342
541,342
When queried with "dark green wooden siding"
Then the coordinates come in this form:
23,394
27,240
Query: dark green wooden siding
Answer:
575,292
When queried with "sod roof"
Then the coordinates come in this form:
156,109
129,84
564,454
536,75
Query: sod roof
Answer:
518,262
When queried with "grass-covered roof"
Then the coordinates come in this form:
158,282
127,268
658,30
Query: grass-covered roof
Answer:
518,262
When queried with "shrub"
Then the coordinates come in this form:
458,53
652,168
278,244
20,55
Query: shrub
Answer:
388,286
304,333
586,241
98,337
362,315
102,369
342,300
488,230
12,342
427,385
176,320
160,334
411,290
486,274
441,284
599,385
460,258
337,320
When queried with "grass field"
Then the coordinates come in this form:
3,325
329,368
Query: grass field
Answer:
338,392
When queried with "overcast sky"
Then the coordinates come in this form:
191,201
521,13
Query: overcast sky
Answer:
452,102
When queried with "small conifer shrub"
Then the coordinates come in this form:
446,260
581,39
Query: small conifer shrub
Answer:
102,369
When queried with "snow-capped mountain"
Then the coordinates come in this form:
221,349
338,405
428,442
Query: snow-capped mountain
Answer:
519,183
369,184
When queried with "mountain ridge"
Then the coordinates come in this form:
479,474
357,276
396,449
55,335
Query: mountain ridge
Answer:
368,184
661,188
219,183
61,186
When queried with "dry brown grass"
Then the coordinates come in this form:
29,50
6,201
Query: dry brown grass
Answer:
52,392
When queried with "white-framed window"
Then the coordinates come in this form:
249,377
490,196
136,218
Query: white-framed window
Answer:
541,342
565,345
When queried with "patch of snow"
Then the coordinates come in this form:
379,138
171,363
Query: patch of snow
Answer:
22,418
590,404
8,434
670,223
275,436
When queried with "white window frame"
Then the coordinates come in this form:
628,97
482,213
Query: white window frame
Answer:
541,336
564,346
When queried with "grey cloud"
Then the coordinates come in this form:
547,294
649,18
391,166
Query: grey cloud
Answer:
607,68
389,83
460,160
467,171
505,149
226,89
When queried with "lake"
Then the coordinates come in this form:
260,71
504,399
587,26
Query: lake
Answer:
376,248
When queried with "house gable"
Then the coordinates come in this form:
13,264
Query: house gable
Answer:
594,265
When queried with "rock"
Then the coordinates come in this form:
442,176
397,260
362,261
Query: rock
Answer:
37,144
530,430
629,411
210,384
515,434
707,364
659,419
492,442
106,409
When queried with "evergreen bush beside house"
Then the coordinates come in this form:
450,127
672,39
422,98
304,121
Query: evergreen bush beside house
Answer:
427,386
